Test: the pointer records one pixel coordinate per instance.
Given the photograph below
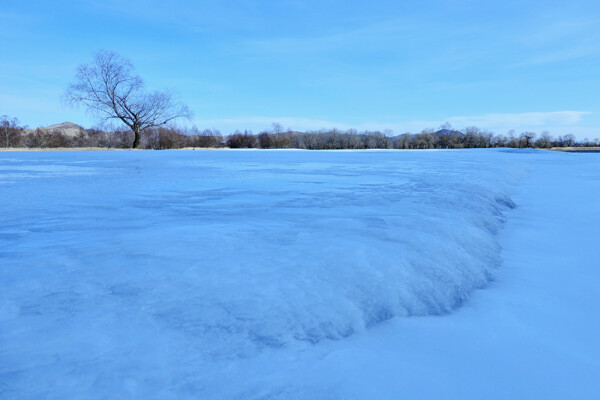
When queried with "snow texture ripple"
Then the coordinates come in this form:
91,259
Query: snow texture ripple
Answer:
109,257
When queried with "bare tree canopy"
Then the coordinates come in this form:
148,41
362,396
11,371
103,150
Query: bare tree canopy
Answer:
9,131
110,88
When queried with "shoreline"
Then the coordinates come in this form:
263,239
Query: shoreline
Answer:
577,149
7,149
25,149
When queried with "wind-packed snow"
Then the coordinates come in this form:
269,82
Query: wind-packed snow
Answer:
240,274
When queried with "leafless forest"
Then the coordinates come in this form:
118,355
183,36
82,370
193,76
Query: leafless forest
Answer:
15,135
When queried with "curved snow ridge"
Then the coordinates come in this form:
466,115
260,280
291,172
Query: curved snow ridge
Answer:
323,263
227,254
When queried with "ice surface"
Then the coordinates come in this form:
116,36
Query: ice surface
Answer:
124,273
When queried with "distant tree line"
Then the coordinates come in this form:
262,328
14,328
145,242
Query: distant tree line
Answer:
333,139
12,134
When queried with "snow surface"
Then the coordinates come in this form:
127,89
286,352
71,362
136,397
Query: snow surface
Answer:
292,274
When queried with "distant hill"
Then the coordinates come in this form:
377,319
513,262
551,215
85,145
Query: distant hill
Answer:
68,129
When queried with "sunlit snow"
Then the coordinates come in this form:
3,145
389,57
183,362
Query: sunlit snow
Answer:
160,273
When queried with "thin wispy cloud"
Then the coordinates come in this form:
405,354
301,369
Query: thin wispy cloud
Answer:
558,41
365,37
554,56
187,15
522,119
555,30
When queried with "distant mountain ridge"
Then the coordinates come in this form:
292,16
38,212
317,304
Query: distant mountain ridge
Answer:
68,129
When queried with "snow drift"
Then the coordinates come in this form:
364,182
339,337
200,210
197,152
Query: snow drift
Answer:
235,252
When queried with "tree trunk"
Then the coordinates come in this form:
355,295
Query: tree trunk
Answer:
136,140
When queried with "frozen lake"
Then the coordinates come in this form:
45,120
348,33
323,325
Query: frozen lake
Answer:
234,274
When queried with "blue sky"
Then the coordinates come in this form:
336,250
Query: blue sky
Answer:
396,65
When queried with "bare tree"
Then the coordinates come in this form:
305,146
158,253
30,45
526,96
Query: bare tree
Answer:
10,131
110,88
569,139
277,127
544,141
527,138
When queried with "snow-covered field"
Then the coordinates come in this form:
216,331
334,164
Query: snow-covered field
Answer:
299,275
